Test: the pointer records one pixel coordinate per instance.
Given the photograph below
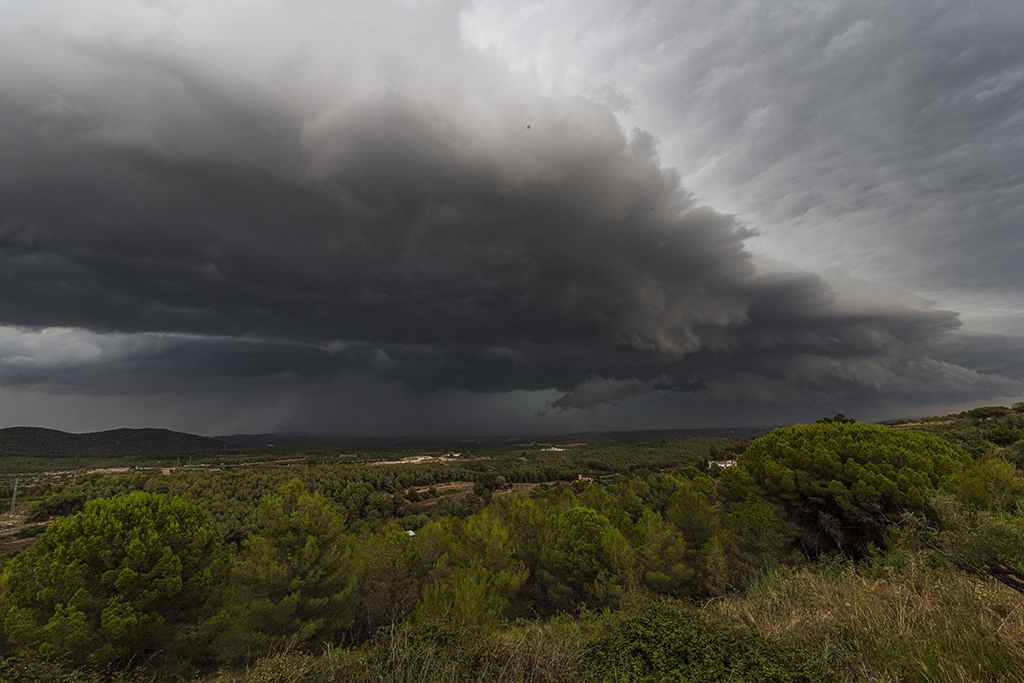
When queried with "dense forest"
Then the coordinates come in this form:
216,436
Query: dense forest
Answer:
836,551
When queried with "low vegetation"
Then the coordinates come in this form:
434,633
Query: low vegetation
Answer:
836,551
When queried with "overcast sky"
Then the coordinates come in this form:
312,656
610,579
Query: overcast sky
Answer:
496,217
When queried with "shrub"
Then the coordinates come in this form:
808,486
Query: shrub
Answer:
584,560
30,531
127,576
660,640
844,484
294,582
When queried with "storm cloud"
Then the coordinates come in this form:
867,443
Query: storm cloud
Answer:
313,203
879,140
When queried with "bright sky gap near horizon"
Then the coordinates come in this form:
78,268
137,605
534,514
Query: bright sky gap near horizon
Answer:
480,218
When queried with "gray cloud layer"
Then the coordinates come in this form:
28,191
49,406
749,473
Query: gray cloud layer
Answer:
193,203
879,139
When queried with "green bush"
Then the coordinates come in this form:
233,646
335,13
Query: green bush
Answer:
844,484
1015,454
584,560
293,584
30,531
126,577
13,670
37,512
667,640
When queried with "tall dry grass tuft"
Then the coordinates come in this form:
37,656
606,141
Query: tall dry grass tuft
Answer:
530,652
899,618
538,652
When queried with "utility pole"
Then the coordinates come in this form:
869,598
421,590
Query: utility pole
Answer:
14,496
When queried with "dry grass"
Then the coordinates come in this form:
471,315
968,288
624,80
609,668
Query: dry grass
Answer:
535,652
899,621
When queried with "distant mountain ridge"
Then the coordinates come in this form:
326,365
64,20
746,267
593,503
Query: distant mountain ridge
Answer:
38,442
590,438
163,444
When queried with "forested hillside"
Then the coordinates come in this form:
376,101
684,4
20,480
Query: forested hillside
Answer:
836,551
138,444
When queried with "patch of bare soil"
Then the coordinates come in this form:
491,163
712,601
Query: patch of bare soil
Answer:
522,489
422,459
10,525
453,491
